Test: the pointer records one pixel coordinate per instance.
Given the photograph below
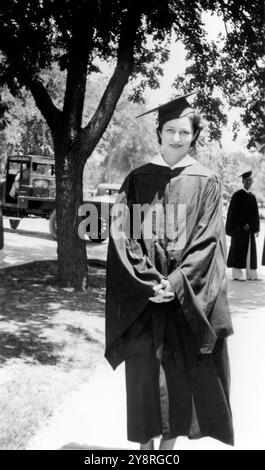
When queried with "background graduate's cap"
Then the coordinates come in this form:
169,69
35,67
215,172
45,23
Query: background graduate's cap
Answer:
246,174
179,107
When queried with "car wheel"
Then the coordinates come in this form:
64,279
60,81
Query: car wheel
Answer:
53,225
14,223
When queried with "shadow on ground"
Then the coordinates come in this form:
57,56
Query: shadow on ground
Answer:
39,321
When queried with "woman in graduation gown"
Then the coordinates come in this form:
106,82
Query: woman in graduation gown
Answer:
167,313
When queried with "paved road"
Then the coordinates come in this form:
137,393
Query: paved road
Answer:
31,241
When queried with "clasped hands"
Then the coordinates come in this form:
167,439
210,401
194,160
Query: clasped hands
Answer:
163,292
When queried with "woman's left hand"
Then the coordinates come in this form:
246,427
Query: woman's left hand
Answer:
163,292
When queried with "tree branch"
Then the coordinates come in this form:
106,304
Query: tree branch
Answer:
92,133
45,104
19,69
75,90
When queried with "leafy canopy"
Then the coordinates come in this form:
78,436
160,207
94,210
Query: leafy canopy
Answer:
234,65
36,33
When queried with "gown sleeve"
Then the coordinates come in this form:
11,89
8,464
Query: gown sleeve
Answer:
235,217
130,278
256,227
200,281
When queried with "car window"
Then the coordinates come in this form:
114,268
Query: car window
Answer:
14,167
43,169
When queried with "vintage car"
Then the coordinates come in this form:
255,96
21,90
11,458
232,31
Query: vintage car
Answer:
103,200
28,190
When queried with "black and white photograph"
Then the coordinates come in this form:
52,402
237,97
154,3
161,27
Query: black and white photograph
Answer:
132,227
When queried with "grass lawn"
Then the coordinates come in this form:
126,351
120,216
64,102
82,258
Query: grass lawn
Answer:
51,340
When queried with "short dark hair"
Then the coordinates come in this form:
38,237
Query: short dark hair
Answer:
196,120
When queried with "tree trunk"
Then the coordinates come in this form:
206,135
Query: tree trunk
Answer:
73,144
72,264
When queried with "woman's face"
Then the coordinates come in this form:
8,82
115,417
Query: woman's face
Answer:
176,136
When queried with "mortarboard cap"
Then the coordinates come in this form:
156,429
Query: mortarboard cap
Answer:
179,107
246,174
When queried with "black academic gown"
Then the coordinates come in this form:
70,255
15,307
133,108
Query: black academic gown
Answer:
177,370
263,254
243,209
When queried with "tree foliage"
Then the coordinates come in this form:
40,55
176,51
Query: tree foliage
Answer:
229,164
26,131
234,65
3,109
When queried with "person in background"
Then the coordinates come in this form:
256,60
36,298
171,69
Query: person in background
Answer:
22,177
242,225
167,313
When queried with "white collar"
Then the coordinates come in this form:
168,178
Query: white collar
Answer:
247,191
186,161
